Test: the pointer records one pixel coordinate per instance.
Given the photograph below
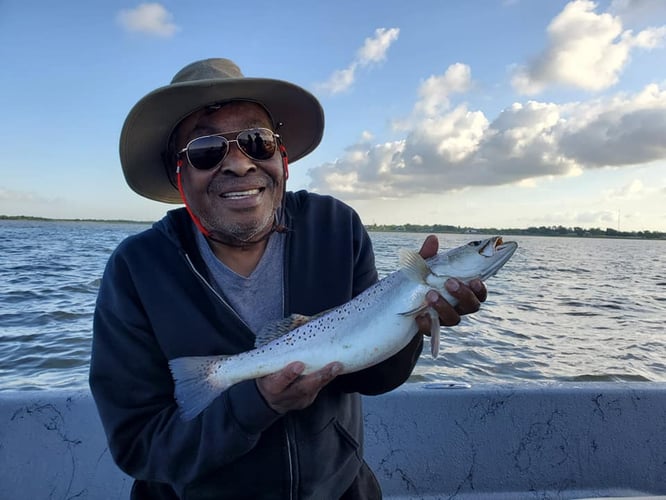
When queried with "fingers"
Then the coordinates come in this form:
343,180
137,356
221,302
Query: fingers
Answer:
429,247
315,381
479,289
289,390
278,382
448,316
423,322
469,299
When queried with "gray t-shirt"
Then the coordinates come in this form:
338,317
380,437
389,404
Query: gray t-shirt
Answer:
259,298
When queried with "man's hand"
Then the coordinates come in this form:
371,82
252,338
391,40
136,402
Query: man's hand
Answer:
469,297
289,390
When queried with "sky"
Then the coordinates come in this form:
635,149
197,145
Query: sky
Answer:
481,113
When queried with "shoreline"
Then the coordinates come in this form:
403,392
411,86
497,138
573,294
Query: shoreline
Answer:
552,231
29,218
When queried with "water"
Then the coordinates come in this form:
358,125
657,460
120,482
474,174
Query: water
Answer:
49,276
562,309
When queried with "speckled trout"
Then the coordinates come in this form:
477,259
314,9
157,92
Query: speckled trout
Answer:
360,333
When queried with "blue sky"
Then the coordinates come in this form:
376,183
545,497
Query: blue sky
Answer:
466,112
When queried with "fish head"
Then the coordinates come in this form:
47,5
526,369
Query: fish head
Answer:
477,259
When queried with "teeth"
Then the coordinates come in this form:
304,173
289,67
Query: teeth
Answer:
241,194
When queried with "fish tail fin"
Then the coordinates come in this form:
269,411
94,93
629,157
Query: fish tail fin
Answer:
195,388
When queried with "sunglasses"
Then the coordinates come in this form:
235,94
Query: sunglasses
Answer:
208,151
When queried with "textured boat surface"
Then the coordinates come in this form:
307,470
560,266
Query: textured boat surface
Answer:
565,440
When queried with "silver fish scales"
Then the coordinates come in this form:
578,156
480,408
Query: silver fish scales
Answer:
360,333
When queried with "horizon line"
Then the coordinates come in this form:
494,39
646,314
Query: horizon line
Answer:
456,227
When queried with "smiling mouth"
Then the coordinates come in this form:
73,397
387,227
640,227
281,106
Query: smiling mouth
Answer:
236,195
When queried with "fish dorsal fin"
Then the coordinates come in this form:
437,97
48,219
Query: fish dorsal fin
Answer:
277,329
414,266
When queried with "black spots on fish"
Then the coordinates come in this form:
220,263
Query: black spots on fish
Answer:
309,331
207,367
349,309
288,340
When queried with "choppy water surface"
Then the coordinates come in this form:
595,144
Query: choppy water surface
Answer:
49,276
561,309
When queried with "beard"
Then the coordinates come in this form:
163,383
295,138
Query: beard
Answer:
238,227
243,233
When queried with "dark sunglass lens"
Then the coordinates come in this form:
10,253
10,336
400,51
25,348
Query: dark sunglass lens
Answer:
205,153
257,143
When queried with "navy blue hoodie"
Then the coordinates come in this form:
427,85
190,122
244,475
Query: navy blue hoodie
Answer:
155,303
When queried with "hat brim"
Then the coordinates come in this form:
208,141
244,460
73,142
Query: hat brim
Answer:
148,126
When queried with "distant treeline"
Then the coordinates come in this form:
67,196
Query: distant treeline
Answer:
46,219
435,228
530,231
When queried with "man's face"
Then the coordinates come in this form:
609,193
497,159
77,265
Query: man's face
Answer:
236,200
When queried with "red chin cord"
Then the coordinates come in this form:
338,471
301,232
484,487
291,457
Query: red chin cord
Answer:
285,161
196,220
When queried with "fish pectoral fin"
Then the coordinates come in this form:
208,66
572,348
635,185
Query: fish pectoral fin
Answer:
434,325
281,327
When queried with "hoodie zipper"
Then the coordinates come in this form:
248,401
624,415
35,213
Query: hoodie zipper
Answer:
290,458
286,422
288,427
212,289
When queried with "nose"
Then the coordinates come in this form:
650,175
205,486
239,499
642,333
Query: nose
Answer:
236,163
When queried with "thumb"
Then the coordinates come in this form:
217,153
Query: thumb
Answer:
429,247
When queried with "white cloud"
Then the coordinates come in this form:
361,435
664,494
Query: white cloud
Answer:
366,136
585,218
601,218
29,203
434,94
374,50
148,18
459,148
447,146
9,195
586,50
622,130
633,190
339,81
638,12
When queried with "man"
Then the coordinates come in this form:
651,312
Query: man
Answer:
205,279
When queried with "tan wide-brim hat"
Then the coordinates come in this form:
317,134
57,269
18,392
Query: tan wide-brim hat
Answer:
145,135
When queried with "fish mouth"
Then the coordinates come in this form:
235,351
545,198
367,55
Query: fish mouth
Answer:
499,250
491,246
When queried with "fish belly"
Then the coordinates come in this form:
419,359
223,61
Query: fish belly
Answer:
365,334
